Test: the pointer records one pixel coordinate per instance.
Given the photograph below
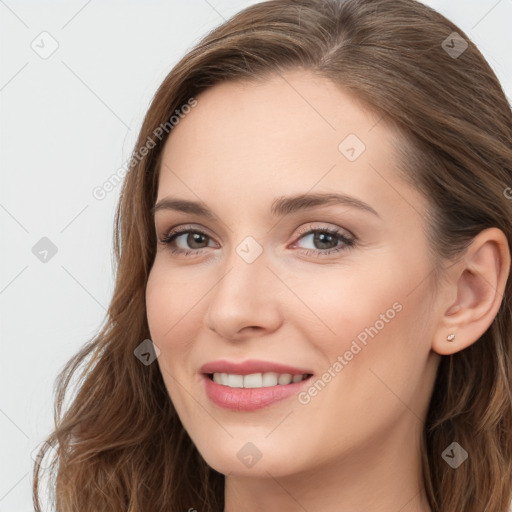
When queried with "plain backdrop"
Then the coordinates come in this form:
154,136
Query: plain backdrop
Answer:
68,121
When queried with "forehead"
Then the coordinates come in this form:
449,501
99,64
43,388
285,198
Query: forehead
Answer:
289,134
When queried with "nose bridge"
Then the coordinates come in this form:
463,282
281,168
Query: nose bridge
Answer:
244,295
245,270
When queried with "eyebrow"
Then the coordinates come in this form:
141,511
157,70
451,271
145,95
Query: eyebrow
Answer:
281,206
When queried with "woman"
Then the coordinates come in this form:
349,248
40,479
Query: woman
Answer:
245,365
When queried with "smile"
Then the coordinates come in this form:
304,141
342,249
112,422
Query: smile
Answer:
257,380
250,399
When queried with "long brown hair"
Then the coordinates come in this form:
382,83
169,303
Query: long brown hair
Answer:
119,444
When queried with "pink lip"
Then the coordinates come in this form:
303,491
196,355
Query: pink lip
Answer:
250,366
249,399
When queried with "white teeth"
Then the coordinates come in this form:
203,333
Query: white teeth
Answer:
235,381
270,379
285,378
256,380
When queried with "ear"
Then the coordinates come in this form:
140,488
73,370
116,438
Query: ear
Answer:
474,292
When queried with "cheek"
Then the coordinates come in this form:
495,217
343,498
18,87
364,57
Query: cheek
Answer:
166,309
175,312
375,370
369,318
349,306
384,344
169,305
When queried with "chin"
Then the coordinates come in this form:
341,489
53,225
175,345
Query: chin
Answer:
245,459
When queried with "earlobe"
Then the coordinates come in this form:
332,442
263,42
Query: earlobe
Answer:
479,279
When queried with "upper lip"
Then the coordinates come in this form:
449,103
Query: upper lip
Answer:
250,366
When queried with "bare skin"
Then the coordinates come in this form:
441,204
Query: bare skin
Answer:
354,445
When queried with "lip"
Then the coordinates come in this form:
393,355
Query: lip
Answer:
250,366
250,399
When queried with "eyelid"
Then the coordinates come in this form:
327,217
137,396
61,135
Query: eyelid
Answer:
295,234
347,241
311,227
186,227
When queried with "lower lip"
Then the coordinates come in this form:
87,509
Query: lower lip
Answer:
249,399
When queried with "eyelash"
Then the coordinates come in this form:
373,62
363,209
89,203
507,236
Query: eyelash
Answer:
348,242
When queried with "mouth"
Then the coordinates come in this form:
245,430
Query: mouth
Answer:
257,380
251,385
244,392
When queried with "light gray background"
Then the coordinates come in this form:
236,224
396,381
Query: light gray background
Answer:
68,122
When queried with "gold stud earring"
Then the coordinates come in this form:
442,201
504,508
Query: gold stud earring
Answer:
450,337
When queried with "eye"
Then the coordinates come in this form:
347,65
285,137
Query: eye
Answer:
192,238
326,240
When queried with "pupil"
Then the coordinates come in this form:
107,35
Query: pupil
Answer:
319,237
195,237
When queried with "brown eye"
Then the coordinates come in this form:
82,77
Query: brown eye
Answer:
190,241
326,241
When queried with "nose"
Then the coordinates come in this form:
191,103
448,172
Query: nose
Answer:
245,302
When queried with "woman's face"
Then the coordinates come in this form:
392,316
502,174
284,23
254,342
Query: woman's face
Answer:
267,287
